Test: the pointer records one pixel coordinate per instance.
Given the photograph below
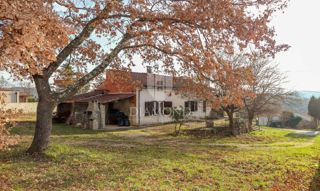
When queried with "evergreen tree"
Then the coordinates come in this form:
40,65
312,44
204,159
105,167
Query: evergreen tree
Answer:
314,109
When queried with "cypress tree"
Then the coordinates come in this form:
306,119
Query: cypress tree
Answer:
314,109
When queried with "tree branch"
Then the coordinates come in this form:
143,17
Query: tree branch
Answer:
75,43
71,90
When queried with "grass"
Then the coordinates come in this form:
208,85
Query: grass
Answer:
153,159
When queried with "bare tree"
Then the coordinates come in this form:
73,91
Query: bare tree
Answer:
253,84
268,89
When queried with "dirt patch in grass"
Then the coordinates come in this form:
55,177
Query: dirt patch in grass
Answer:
207,132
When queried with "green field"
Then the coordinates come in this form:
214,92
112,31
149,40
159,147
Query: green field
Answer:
153,159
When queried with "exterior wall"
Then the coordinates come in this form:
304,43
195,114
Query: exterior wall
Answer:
30,107
23,99
153,94
10,96
25,107
266,120
263,121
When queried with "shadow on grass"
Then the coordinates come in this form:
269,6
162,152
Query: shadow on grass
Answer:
57,129
302,136
19,155
315,184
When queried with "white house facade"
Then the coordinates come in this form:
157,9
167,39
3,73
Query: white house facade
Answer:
153,104
125,104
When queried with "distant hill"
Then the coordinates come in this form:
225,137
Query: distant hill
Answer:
298,104
308,94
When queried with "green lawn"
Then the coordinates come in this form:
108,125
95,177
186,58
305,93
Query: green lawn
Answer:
153,159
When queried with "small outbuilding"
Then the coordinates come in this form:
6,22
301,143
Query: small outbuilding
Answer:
96,109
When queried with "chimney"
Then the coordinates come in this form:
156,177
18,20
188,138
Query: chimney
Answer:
149,69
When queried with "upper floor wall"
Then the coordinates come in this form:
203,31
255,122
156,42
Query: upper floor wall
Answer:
123,81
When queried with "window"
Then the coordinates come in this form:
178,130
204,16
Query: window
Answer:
205,106
191,105
157,108
167,105
151,108
159,85
148,108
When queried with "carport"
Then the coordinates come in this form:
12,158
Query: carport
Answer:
97,109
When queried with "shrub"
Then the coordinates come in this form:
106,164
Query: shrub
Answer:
290,120
294,121
179,116
6,123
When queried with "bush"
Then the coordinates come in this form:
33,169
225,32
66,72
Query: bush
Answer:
294,121
31,99
6,116
290,120
179,116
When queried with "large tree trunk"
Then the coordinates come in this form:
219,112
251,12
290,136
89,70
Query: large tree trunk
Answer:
44,117
234,130
230,118
43,127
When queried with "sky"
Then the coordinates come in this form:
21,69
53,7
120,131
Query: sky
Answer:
299,26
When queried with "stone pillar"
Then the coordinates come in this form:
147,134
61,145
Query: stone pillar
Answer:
93,108
95,116
102,116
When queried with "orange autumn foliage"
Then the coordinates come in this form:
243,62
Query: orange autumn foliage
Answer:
222,86
120,81
33,32
30,35
6,116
